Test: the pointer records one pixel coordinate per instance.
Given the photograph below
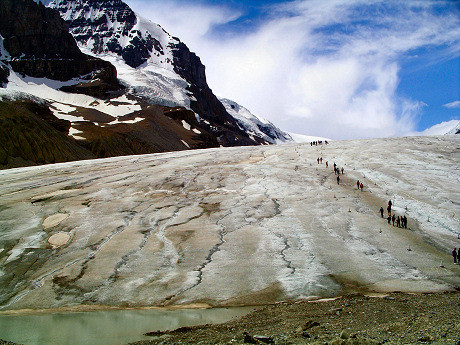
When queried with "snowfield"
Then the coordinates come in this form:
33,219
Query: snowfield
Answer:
244,225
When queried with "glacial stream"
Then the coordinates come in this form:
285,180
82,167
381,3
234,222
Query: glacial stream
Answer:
106,327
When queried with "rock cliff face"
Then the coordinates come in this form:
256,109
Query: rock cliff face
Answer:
111,28
39,45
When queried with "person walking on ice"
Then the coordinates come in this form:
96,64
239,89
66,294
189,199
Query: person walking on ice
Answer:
357,184
338,179
361,186
454,254
381,212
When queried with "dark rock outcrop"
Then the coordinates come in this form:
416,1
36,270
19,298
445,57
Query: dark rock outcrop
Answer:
40,46
188,65
4,74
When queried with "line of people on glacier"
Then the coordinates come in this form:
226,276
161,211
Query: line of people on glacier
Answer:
318,142
401,221
337,171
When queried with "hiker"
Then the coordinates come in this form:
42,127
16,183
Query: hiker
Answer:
357,183
311,143
398,222
361,186
405,221
381,212
317,159
338,179
321,160
335,165
389,218
458,255
342,171
390,203
326,164
393,218
389,209
454,254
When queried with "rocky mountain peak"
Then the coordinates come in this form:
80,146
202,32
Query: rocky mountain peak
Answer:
110,26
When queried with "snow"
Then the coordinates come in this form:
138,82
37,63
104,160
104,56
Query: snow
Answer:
232,225
117,121
446,127
301,138
64,103
186,125
158,84
251,123
74,133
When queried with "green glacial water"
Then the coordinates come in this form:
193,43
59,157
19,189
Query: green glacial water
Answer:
106,327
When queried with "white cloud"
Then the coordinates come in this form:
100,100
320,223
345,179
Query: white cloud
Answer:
292,71
454,104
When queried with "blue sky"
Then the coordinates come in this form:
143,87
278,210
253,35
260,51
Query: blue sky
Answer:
334,68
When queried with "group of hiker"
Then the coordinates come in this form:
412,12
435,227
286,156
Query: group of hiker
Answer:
318,142
337,170
401,221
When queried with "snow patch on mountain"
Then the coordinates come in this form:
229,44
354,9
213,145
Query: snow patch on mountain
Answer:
253,124
301,138
63,103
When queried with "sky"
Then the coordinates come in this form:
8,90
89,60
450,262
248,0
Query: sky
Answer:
337,69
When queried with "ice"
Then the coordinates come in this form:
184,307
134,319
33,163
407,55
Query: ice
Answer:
241,225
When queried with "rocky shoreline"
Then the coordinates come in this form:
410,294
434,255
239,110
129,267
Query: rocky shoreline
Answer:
396,318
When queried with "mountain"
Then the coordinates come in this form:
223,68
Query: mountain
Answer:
152,63
254,125
145,93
